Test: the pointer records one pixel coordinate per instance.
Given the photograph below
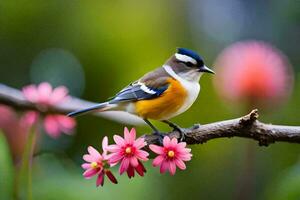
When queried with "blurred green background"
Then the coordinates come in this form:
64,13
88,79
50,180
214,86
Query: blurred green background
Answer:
97,47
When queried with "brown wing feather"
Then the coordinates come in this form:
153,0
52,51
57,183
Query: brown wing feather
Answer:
151,85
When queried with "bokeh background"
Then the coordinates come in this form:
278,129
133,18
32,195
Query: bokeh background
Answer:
97,47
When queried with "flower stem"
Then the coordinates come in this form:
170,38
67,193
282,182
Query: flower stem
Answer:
23,179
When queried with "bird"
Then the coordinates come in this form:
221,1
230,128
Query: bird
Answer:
161,94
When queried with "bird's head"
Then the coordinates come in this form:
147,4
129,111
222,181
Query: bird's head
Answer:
188,64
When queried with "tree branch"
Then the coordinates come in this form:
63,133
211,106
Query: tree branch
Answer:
246,127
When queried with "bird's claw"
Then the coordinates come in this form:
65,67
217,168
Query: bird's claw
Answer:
160,137
182,131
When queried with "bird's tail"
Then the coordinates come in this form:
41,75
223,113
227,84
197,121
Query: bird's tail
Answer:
99,108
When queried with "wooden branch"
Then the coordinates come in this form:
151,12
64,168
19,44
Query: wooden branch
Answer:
246,127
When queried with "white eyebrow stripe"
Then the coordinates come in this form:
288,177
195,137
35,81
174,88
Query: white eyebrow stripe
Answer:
185,58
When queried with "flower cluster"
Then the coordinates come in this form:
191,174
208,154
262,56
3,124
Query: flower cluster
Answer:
45,97
128,151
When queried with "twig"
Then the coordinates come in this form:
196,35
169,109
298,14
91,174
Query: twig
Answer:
246,127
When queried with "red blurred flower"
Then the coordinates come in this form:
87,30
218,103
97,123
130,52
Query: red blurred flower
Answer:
128,151
44,96
253,72
172,154
97,164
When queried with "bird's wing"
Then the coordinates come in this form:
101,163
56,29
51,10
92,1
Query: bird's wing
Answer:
149,86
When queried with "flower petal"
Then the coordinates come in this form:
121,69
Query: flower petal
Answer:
44,92
134,162
132,134
30,93
142,155
119,140
139,143
158,161
29,118
166,141
94,153
172,167
100,179
115,157
51,126
66,124
58,95
111,177
105,143
124,165
129,136
173,143
185,157
86,165
156,149
130,172
113,148
88,158
181,144
180,164
90,173
164,166
140,169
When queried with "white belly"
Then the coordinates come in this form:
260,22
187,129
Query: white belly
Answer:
192,87
193,92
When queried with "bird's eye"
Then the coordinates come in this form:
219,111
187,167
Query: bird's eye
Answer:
189,64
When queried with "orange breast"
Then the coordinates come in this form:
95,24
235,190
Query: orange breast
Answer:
162,107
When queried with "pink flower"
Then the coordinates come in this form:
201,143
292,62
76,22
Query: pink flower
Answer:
44,96
16,129
128,152
29,118
172,154
97,164
253,72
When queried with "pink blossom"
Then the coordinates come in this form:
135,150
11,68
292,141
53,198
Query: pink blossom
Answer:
128,152
253,72
16,129
97,164
170,155
44,96
29,118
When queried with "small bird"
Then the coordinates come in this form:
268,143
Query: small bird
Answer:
160,94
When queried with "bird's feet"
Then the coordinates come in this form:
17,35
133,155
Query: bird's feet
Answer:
182,132
160,137
175,127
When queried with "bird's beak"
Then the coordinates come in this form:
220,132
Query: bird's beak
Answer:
206,69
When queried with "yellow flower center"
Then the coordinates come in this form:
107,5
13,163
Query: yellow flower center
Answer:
94,165
171,154
128,150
